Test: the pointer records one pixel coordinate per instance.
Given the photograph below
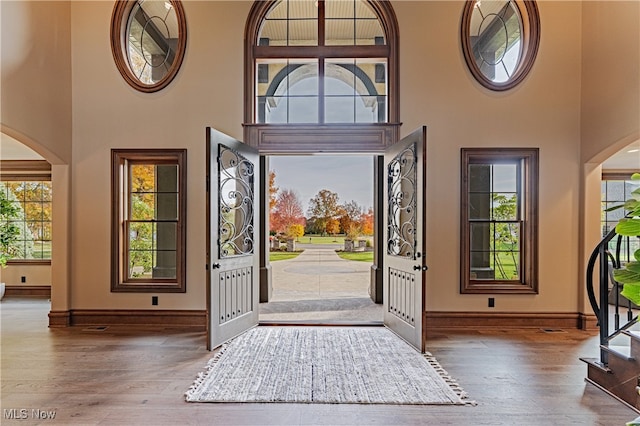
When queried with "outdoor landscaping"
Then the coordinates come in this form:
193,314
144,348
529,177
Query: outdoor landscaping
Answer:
327,221
359,256
282,255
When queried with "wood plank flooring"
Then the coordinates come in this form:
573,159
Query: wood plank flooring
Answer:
137,376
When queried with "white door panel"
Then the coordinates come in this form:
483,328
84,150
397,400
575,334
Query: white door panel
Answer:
404,255
233,208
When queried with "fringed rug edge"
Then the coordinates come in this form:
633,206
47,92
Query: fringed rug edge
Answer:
190,394
453,384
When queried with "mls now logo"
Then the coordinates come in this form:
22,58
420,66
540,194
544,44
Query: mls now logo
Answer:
23,414
16,414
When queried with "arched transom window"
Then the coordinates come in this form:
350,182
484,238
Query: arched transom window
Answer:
321,62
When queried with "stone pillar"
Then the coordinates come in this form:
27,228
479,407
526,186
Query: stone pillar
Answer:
348,245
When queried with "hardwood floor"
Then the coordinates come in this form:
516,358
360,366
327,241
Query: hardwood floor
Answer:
131,376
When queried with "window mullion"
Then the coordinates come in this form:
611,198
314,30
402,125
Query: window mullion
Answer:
521,194
126,251
288,94
321,96
321,23
321,60
305,52
354,82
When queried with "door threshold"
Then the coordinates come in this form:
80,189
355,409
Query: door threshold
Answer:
320,323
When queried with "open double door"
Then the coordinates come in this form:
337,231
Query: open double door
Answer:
233,237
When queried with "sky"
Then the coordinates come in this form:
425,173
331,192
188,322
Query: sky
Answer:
350,176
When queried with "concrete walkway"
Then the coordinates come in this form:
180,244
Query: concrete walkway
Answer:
320,286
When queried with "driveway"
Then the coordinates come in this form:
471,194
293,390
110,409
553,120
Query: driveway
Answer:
320,286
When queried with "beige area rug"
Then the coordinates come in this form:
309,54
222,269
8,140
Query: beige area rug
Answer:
342,365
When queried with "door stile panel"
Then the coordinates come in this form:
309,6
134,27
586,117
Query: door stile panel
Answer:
404,257
233,202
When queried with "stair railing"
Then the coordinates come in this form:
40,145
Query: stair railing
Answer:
607,262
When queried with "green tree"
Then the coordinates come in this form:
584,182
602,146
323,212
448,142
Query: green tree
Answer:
8,230
352,219
324,207
629,226
141,233
312,227
141,237
506,239
15,239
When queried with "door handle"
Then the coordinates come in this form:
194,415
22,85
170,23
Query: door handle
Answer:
215,266
420,268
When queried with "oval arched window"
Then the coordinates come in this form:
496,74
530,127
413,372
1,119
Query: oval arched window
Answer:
500,40
148,41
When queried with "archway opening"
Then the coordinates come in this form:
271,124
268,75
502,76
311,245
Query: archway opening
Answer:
26,189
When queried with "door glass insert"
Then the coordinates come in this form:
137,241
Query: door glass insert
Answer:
401,226
236,204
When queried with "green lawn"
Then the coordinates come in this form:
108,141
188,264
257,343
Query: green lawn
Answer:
506,270
360,256
282,255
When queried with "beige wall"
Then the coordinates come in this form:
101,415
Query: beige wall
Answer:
36,76
109,114
543,111
35,92
610,105
36,275
436,90
610,78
